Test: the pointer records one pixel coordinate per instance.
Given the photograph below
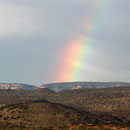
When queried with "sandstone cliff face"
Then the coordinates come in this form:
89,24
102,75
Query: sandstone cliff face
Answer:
16,86
78,87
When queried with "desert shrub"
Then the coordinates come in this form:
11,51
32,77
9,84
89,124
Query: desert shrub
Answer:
81,127
92,128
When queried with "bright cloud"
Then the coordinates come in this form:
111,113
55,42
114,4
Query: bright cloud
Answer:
17,20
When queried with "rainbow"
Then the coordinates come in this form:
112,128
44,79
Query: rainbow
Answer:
77,50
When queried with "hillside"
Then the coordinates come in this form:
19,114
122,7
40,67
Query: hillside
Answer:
42,113
92,106
17,86
78,85
9,96
113,101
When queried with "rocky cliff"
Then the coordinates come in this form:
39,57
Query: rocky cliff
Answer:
16,86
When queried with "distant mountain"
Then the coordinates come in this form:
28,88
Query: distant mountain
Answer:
78,85
56,87
17,86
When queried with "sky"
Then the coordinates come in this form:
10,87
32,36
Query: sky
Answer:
34,35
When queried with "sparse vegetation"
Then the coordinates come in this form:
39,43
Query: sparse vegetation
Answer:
45,110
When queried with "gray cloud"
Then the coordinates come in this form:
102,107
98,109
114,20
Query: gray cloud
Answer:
17,19
33,35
